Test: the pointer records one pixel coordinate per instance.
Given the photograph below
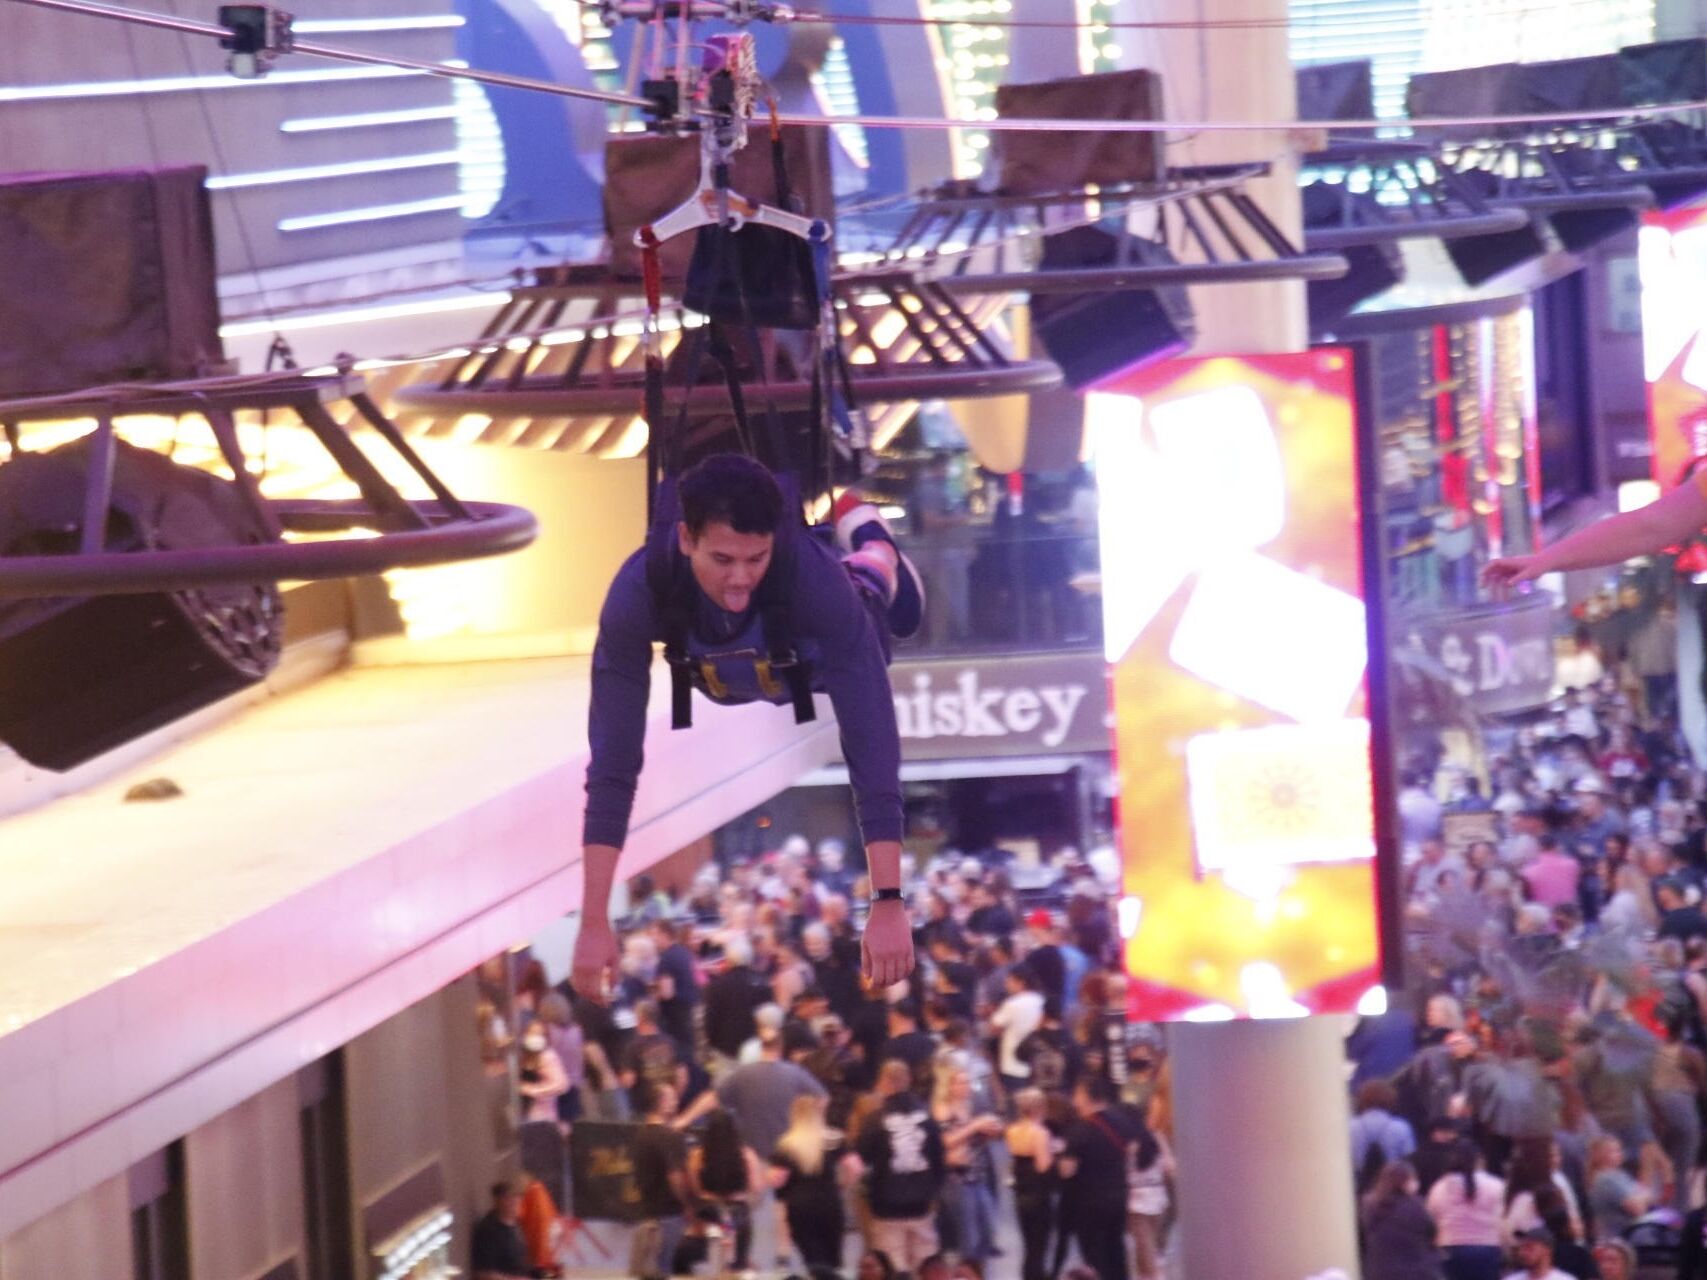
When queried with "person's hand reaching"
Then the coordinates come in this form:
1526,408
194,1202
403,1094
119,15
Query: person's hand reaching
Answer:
595,958
1510,571
887,949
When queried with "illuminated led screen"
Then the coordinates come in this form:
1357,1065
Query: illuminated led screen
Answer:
1237,644
1673,261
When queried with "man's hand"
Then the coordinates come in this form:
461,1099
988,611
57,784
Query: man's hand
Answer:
887,948
595,958
1511,571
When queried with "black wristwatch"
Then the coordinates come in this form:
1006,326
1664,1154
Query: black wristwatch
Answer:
886,895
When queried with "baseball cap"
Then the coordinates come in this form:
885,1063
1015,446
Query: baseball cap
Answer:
1536,1235
1039,919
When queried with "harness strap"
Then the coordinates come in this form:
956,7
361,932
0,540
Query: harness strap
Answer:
773,618
657,461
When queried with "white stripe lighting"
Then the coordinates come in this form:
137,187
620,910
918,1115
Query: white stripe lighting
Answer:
342,169
363,315
352,26
373,213
365,119
183,84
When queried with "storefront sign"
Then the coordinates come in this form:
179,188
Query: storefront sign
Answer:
1020,704
1499,659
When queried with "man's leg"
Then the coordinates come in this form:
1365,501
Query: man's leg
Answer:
889,1237
643,1250
873,557
1102,1244
670,1233
922,1241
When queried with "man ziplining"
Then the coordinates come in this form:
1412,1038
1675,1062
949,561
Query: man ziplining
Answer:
751,607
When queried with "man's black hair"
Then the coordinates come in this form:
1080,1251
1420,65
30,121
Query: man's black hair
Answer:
731,489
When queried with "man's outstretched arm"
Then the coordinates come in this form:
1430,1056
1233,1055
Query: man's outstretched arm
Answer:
616,732
856,676
595,959
886,951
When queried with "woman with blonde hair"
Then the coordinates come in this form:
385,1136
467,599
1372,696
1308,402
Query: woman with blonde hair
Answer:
968,1204
804,1170
1031,1148
1631,908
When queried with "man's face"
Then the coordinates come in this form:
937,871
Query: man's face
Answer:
1534,1256
727,565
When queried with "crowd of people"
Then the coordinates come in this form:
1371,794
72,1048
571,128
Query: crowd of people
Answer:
1532,1104
888,1130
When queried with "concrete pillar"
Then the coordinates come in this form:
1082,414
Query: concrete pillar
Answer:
1679,20
1260,1134
1230,74
1041,53
1260,1108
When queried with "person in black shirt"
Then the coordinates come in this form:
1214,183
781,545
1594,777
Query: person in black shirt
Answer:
677,983
990,917
902,1148
730,999
806,1162
498,1250
1677,918
652,1057
1433,1159
956,983
868,1029
834,971
1051,1052
914,1047
1045,960
660,1179
1094,1167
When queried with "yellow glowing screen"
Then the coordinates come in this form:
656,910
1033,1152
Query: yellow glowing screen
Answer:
1237,644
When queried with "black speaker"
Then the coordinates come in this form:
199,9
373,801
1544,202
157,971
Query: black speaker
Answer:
1674,161
1336,91
105,277
82,675
1465,91
1581,229
1374,269
1666,71
1094,336
1481,258
1570,84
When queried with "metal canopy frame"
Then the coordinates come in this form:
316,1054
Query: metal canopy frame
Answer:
904,339
410,533
1554,172
1205,219
1386,192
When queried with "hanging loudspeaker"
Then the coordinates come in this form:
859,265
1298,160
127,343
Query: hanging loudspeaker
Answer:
1094,336
1374,269
79,676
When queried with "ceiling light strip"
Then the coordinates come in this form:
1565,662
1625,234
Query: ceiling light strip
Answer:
343,169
